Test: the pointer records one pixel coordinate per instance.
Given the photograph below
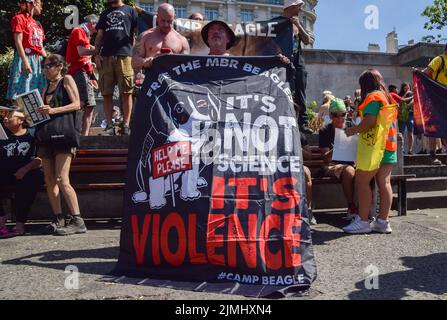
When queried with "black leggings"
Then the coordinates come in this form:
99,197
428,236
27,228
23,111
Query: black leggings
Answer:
25,192
300,95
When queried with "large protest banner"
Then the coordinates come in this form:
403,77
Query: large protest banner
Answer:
215,197
258,38
430,106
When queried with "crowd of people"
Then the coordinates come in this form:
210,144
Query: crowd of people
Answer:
405,101
67,85
359,116
353,177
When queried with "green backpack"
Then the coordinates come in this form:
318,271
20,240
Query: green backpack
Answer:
404,113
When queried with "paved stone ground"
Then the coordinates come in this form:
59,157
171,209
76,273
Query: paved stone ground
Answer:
412,263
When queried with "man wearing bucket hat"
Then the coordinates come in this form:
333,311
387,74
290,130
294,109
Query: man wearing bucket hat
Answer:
291,10
219,37
343,171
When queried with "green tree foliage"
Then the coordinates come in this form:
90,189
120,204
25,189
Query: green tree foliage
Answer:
5,64
437,15
53,18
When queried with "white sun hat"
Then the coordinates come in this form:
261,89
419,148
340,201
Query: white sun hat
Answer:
289,3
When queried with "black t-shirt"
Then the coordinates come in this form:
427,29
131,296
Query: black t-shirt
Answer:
119,26
304,142
16,152
326,136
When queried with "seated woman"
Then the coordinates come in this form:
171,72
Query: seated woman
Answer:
20,168
343,171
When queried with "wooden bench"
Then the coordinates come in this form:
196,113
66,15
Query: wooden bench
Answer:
115,160
100,160
400,180
95,160
111,161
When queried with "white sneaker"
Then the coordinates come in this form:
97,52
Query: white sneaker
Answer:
381,226
358,226
312,220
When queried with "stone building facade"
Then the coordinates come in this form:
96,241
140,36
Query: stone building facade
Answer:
339,71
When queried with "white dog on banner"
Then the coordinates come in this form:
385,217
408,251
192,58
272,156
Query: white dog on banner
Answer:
184,116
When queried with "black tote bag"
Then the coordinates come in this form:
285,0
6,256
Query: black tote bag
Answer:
63,130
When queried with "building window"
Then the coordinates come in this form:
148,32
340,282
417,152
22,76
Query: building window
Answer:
211,14
275,14
148,7
247,15
180,11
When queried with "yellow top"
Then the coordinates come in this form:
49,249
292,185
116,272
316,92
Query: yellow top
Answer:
435,65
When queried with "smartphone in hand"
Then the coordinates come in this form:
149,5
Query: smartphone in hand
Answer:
166,50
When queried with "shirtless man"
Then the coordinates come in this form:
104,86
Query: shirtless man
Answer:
150,43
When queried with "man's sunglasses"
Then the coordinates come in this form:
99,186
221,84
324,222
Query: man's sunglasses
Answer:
338,115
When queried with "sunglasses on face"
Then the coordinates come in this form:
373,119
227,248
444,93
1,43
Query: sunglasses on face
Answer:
15,116
50,65
11,115
338,115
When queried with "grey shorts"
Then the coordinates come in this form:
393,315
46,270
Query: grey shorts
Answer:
85,88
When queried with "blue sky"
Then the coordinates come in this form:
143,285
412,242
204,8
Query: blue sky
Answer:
341,23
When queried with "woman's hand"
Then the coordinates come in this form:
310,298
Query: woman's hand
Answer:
26,67
46,109
351,131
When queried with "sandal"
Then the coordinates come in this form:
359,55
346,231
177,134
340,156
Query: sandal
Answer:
5,233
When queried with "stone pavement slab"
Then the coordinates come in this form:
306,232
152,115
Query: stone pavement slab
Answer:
411,263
